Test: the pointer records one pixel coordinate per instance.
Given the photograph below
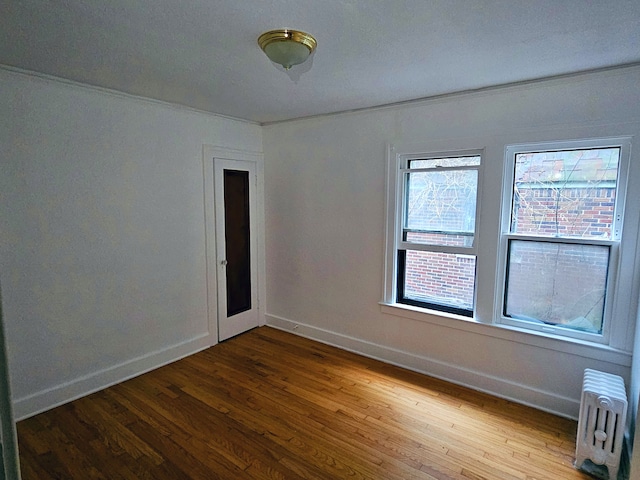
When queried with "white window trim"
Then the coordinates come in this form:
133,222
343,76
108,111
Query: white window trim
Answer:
567,345
612,297
618,351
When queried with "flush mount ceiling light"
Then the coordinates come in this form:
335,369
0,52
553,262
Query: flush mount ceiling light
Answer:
287,47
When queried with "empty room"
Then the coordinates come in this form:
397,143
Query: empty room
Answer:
308,240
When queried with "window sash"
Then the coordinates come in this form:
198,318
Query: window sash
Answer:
432,205
559,298
467,161
447,307
623,143
564,193
612,271
570,240
402,245
402,190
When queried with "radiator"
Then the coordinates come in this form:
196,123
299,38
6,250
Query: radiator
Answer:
601,424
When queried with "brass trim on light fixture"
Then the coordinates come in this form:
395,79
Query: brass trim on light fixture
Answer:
287,47
286,34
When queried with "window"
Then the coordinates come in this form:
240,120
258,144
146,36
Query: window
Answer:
562,224
434,231
553,260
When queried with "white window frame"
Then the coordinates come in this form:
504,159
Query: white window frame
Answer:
397,167
612,300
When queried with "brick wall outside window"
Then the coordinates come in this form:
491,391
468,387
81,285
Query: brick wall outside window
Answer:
565,212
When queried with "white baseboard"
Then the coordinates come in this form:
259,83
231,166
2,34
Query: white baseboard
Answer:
499,387
52,397
49,398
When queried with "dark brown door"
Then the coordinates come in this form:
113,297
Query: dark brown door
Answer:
238,241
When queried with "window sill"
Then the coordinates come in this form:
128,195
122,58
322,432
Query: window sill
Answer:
571,346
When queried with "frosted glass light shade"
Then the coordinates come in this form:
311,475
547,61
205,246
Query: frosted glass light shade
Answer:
287,47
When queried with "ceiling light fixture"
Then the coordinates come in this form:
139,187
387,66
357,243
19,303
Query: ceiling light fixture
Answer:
287,47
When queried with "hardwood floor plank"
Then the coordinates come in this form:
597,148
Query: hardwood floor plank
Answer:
189,435
115,434
271,405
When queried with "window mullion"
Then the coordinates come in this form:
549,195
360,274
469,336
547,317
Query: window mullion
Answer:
437,248
568,240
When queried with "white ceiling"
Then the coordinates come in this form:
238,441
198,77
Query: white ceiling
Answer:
203,53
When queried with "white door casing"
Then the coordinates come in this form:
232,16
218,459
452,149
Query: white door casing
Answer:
216,161
231,324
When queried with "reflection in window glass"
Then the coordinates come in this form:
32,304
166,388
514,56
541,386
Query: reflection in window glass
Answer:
441,207
557,284
567,193
442,279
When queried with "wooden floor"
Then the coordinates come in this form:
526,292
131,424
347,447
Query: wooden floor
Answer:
270,405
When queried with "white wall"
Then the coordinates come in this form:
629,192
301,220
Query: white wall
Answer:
102,253
103,241
325,230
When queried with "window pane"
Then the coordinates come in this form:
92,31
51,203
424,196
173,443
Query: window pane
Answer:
557,284
565,194
441,207
445,162
440,278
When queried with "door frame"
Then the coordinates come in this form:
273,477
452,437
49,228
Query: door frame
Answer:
9,460
212,153
239,322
